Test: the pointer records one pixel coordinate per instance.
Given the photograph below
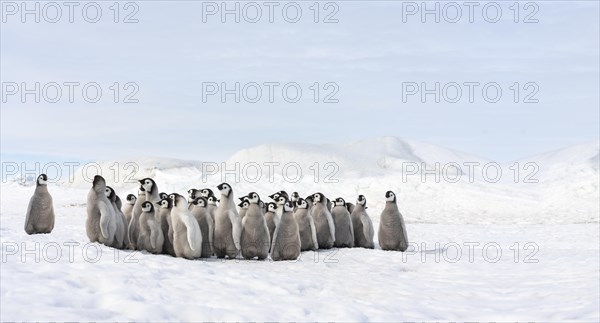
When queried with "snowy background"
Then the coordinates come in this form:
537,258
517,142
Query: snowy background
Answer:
480,250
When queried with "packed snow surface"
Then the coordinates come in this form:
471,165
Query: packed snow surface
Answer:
499,251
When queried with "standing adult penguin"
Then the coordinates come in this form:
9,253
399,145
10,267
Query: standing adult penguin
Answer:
392,230
323,221
271,218
134,223
306,226
255,238
121,232
344,233
164,213
228,225
187,237
207,225
127,208
40,211
151,236
286,240
101,224
363,227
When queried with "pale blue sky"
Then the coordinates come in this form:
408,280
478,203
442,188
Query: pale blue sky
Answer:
369,53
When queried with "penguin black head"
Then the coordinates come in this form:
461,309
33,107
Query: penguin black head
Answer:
390,196
172,197
339,202
295,197
284,193
253,197
212,200
163,195
147,207
42,180
243,198
244,204
309,199
98,181
148,184
274,196
281,200
192,194
200,201
271,207
287,206
131,199
178,200
318,197
206,192
301,203
225,189
362,200
164,203
110,193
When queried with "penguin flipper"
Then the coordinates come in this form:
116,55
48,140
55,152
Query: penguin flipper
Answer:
211,233
193,234
368,230
153,234
28,225
236,225
313,231
274,251
105,219
331,225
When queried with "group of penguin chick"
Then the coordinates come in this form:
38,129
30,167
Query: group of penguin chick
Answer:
203,225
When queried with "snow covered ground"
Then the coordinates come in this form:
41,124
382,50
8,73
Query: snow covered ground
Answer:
548,234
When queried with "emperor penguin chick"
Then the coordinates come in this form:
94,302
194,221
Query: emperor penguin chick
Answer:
286,240
392,230
164,213
306,226
121,232
344,233
152,194
323,221
101,224
192,194
134,223
271,218
127,208
242,210
40,212
118,211
362,224
255,238
151,236
187,237
207,225
228,225
294,198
